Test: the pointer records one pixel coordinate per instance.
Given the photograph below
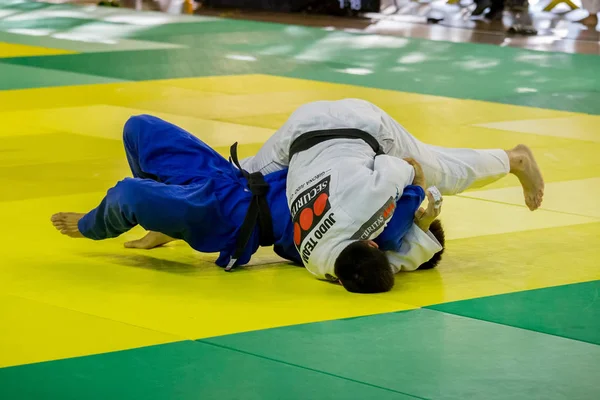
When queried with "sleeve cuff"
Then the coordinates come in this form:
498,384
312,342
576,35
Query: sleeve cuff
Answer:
425,239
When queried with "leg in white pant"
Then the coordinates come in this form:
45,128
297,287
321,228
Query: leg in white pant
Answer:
452,171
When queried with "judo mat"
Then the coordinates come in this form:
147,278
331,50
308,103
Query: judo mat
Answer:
512,312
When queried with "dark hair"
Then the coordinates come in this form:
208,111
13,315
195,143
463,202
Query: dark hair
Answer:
364,269
436,230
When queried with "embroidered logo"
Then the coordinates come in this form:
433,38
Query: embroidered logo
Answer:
309,208
377,221
309,213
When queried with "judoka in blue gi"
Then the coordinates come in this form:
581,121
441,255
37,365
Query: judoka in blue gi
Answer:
183,189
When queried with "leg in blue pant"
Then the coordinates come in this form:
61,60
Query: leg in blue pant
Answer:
165,153
177,178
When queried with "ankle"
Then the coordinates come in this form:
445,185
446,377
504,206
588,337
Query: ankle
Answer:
515,161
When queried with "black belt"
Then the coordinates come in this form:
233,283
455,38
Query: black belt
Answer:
258,212
310,139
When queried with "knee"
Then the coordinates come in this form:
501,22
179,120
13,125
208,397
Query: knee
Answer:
136,126
128,191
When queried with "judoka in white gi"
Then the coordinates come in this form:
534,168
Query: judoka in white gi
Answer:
347,168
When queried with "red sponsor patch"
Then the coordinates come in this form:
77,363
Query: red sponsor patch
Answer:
376,221
389,210
297,234
320,204
306,218
309,208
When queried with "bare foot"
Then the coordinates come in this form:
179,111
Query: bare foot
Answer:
66,223
590,20
524,166
150,241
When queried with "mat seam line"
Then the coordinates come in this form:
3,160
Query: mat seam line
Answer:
180,338
203,341
521,206
512,326
8,61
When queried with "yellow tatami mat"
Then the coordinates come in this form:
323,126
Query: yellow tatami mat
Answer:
20,50
62,151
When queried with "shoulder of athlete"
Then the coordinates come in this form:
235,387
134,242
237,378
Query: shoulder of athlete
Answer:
393,169
365,189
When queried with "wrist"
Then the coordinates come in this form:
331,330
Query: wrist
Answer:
424,224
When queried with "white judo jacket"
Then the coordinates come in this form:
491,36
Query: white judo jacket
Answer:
339,191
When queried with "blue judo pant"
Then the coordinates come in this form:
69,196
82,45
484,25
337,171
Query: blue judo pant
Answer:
181,187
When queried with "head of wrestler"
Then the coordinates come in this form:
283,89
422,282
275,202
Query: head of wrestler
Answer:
362,268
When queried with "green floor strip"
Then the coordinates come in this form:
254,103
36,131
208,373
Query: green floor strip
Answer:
57,23
81,46
140,65
23,77
571,311
187,33
184,370
461,70
434,355
23,5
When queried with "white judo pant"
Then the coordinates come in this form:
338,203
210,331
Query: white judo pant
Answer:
451,170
